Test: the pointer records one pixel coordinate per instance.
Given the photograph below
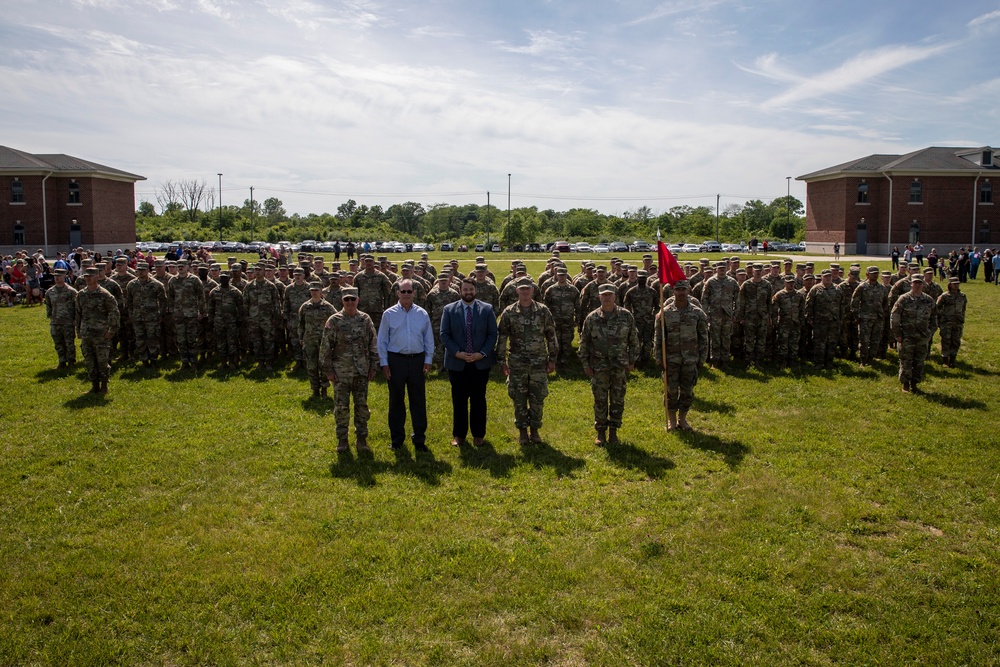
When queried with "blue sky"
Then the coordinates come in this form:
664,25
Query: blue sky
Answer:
608,105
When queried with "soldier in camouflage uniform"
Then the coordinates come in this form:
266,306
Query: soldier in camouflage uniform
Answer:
60,308
529,330
788,308
609,348
951,320
311,320
883,348
374,291
225,308
823,312
486,291
643,302
440,296
934,291
263,306
847,345
97,322
206,333
686,341
718,297
868,305
145,300
563,301
914,317
122,276
296,294
186,297
806,337
590,296
349,356
753,310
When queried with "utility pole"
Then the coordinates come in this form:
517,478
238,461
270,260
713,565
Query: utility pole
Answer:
487,217
220,206
788,208
252,220
508,212
717,197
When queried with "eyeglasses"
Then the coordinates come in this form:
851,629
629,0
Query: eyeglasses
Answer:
349,298
406,291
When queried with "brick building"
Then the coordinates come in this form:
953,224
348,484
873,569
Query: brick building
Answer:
942,197
58,202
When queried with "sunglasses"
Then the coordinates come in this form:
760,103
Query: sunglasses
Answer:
406,291
349,298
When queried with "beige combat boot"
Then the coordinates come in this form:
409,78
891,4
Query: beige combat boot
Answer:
671,420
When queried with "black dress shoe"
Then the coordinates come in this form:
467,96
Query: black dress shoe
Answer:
421,447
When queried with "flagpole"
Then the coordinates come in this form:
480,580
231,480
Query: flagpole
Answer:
663,345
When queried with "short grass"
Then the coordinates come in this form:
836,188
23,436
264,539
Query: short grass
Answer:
204,518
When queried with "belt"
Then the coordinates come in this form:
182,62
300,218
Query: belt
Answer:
408,356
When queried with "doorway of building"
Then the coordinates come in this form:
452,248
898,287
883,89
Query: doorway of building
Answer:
861,238
914,232
75,236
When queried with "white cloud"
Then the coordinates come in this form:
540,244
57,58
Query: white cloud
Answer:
985,21
544,42
674,7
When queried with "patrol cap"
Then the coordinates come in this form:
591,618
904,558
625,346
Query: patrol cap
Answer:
315,285
444,275
913,265
834,265
383,258
141,266
562,271
916,278
121,260
734,258
775,262
62,272
887,274
348,291
215,266
601,267
481,267
157,262
643,273
647,256
789,279
606,288
788,261
91,271
236,268
318,258
720,265
929,270
800,266
855,270
954,280
826,272
682,284
872,269
741,272
525,284
259,266
809,276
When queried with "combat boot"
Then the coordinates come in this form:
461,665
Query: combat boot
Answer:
322,392
104,387
906,386
682,422
671,420
95,387
534,435
363,443
522,436
913,387
342,445
613,436
600,440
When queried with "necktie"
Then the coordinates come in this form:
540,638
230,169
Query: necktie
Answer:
468,329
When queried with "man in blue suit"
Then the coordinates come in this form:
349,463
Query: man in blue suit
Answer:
468,334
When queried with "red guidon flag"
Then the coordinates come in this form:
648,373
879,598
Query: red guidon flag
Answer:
670,271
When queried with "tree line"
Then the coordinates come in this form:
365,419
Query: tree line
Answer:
186,210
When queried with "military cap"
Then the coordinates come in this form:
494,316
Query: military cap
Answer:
855,270
913,265
775,262
808,264
121,260
800,266
481,267
317,285
826,272
834,265
157,262
62,272
741,272
789,279
955,280
916,278
734,258
887,274
170,263
383,258
237,268
788,262
522,284
319,257
872,269
601,267
140,266
91,271
647,256
444,275
562,271
643,273
809,276
588,264
298,271
215,266
720,265
682,284
348,291
423,255
343,274
232,259
606,288
480,258
929,270
704,260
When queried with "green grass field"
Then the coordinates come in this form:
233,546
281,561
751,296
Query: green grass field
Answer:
204,518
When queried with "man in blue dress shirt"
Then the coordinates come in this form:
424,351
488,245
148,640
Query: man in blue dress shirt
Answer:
405,352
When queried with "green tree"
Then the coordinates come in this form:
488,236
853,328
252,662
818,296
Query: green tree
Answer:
274,210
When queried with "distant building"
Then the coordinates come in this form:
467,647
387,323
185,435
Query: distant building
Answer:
942,197
58,202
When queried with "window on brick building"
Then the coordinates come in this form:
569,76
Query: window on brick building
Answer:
16,192
986,193
863,193
74,192
19,234
916,192
987,158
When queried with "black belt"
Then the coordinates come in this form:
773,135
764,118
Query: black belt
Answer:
408,356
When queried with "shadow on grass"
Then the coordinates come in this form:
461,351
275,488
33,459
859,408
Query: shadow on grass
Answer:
87,400
317,404
485,457
542,455
732,452
627,455
361,469
365,467
705,405
50,374
954,402
139,373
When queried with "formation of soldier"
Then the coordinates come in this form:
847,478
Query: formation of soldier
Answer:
722,313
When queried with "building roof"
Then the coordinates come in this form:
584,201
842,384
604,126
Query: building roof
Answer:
13,161
935,159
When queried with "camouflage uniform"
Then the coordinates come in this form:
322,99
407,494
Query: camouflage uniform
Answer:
488,292
263,307
97,314
868,305
60,308
206,329
934,291
531,333
823,312
126,337
295,296
312,318
719,299
643,302
951,320
563,301
609,344
144,302
687,347
788,313
847,345
187,301
349,350
590,300
437,299
913,319
225,308
753,309
374,291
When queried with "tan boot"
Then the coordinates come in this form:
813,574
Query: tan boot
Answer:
600,440
613,436
671,420
682,422
535,438
522,436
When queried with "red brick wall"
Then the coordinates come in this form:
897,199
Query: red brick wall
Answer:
29,213
114,213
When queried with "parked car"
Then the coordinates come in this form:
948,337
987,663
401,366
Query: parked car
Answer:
532,247
617,246
447,247
308,245
691,247
675,248
640,246
583,247
480,247
733,247
462,248
711,246
562,246
601,248
419,247
496,248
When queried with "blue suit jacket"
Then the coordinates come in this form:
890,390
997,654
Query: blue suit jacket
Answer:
484,334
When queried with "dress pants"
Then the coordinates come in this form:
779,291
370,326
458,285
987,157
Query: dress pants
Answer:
407,378
468,400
